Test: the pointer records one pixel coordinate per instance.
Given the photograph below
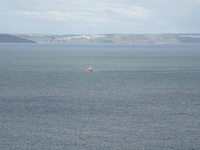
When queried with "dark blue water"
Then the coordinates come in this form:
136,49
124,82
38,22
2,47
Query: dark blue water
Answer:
140,97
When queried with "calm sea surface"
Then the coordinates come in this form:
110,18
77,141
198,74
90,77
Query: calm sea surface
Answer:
139,97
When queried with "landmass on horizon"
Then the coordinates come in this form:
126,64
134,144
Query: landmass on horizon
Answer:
101,38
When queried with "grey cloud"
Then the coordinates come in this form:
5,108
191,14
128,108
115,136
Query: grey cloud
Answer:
105,16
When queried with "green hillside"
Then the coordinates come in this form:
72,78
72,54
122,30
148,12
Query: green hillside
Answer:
6,38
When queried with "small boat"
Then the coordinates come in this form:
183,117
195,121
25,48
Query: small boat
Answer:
89,69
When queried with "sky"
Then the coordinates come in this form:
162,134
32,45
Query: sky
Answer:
99,16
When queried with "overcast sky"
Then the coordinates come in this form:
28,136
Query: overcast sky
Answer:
99,16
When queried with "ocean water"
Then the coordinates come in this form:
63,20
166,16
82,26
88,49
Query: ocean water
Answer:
139,97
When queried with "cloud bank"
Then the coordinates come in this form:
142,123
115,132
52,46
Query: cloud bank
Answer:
96,17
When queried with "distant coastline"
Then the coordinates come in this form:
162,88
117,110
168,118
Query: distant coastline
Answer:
101,38
7,38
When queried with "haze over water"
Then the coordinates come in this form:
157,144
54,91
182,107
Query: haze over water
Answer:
143,97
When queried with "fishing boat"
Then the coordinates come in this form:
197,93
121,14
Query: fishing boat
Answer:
89,69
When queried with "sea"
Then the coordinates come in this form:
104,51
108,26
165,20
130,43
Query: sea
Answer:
139,96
